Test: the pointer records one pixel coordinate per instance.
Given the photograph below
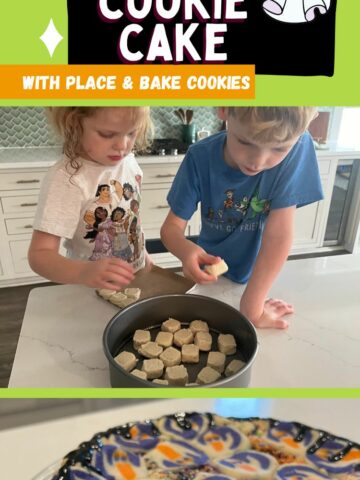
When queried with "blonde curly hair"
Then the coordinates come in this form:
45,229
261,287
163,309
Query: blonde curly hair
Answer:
274,124
68,123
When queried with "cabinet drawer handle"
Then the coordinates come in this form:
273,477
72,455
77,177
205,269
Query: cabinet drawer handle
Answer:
28,204
162,206
28,181
166,175
28,226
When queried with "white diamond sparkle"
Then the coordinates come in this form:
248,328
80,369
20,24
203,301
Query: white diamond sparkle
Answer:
51,37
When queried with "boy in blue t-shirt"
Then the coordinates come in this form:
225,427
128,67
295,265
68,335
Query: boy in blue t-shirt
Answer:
249,180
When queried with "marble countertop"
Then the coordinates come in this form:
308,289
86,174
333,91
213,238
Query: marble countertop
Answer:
60,344
44,443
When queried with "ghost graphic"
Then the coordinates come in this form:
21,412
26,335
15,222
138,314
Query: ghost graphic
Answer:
296,11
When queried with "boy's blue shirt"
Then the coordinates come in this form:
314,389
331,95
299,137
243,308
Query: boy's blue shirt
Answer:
235,206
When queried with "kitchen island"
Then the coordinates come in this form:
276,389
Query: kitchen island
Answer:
60,344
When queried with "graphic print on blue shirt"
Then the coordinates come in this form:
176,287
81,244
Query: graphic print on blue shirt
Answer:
234,211
235,206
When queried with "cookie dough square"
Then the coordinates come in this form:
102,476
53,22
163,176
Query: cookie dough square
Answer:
165,339
203,340
207,375
160,381
105,293
217,268
233,367
139,373
177,375
227,343
183,337
190,353
150,350
216,360
171,356
119,302
141,337
171,325
133,293
118,296
198,326
153,368
126,360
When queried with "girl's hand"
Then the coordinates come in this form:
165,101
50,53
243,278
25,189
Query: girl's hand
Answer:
110,272
195,258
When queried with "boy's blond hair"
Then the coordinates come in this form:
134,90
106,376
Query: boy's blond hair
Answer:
68,121
274,124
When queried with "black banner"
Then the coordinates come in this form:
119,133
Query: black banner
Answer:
283,37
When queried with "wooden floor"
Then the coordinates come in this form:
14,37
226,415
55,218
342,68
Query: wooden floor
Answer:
12,307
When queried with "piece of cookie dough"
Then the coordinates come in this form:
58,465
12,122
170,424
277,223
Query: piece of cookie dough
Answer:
171,357
227,344
198,326
177,375
216,360
150,350
153,368
105,293
133,293
207,375
140,338
233,367
171,325
126,360
164,339
190,353
183,337
203,340
139,373
217,268
160,381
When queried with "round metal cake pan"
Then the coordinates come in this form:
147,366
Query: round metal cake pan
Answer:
148,314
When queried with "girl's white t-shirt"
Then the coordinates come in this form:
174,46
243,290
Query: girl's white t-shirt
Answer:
96,209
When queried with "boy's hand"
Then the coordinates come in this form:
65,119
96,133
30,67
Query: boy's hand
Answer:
195,258
272,315
110,272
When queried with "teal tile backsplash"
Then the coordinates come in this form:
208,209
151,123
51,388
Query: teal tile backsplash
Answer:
28,126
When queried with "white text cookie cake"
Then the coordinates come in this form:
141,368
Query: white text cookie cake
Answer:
195,446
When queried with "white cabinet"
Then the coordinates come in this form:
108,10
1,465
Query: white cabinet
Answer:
157,181
156,184
19,190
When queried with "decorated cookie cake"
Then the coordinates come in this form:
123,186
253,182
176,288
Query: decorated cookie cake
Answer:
196,446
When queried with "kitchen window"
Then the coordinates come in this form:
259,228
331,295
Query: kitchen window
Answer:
343,195
342,228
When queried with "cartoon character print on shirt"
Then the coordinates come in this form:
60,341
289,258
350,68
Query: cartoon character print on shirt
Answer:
112,221
296,11
121,245
101,234
135,235
237,211
106,196
258,206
